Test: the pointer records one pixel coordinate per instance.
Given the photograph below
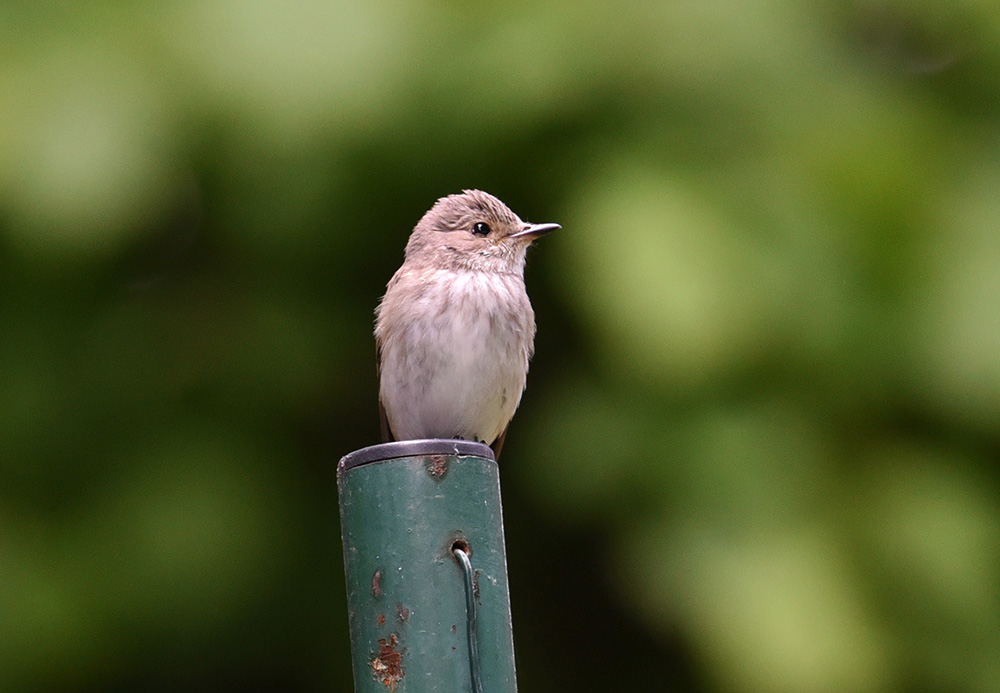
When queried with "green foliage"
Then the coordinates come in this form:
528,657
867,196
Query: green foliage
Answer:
767,386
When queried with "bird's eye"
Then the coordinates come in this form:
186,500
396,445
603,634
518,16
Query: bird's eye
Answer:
481,229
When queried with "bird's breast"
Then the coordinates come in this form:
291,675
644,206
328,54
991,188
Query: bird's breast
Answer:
455,354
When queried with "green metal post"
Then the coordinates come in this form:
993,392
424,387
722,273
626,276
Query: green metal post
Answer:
409,511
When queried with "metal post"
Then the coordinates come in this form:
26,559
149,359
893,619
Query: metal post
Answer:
426,568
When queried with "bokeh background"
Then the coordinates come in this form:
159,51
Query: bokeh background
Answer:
759,447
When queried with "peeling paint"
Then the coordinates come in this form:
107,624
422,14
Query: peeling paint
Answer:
387,665
437,466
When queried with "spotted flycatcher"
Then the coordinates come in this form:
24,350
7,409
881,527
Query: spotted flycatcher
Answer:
455,330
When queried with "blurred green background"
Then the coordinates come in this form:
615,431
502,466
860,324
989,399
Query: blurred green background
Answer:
759,446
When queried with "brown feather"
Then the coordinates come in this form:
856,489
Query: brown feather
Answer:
498,443
383,419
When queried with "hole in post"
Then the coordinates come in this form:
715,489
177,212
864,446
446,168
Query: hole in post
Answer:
461,545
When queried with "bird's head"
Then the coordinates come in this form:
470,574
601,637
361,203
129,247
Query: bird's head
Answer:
473,230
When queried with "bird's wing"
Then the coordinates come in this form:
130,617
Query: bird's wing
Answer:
498,443
383,420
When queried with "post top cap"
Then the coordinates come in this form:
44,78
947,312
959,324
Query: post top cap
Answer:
414,448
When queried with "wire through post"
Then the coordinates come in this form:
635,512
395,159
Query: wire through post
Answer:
462,556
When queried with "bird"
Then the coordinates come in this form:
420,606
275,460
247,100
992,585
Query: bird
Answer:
455,330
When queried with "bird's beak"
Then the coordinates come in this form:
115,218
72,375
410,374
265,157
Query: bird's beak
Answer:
533,231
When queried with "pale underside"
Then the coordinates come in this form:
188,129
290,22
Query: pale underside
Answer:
454,349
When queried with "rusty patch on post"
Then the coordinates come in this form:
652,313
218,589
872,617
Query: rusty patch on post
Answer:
437,466
402,612
381,619
377,583
387,665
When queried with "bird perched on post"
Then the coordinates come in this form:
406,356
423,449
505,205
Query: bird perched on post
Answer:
455,330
